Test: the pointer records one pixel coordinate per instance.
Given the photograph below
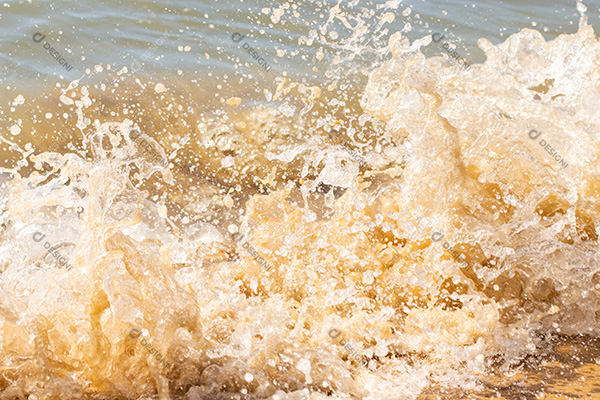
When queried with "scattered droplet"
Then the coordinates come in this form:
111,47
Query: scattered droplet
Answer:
15,130
233,101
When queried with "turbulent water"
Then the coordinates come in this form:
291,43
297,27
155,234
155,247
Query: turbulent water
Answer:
434,230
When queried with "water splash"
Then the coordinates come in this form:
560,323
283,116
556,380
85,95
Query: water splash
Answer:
148,229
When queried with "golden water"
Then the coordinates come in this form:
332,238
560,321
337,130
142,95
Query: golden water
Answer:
153,249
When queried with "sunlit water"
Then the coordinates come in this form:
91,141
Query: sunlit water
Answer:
300,201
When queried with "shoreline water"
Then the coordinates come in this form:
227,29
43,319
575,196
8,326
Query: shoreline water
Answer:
353,246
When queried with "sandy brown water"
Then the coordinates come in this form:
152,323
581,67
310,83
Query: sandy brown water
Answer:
564,368
405,239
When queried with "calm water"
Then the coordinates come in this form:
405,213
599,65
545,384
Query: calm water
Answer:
119,33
